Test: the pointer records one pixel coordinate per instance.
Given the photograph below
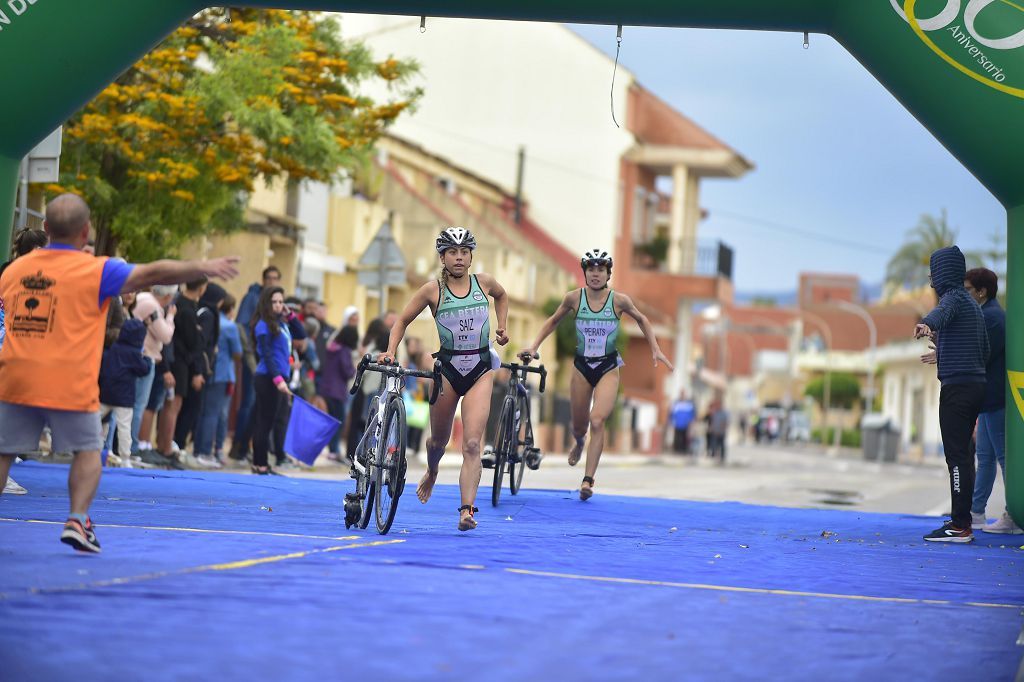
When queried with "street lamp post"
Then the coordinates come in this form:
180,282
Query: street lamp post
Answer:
862,313
827,389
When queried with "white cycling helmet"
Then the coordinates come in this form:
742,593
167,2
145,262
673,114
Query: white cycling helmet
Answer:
452,237
596,257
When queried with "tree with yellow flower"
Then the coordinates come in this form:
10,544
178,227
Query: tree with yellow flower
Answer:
170,149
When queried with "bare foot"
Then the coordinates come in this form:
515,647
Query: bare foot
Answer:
576,451
586,488
426,486
466,520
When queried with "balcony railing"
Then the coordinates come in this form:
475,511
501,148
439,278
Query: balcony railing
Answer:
711,259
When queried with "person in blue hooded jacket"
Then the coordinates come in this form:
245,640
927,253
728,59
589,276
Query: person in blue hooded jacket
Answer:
957,326
983,285
123,363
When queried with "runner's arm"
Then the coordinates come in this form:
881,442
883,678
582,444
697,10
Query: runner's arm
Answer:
178,272
627,307
569,303
497,292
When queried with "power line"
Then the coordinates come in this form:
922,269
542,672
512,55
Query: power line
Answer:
787,229
807,234
515,151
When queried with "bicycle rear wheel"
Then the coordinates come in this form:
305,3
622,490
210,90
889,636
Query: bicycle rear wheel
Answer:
391,464
502,446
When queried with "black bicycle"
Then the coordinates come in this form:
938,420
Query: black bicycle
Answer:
513,442
379,463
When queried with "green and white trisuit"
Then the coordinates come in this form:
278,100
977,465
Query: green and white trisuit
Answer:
463,325
596,334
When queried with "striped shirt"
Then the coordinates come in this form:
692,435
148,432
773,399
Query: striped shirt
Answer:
961,346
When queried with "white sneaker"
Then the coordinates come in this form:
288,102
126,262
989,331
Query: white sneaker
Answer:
208,462
113,460
12,488
1005,525
187,460
978,521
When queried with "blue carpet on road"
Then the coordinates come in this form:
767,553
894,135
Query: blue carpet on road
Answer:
615,588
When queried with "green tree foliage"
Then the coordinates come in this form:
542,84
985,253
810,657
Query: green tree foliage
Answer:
171,149
844,391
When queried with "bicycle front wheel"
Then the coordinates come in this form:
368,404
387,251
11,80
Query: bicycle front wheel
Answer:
517,464
502,446
391,464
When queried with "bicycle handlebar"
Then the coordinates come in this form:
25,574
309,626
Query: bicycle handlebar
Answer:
526,369
368,365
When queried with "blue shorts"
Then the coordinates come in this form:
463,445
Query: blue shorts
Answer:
158,393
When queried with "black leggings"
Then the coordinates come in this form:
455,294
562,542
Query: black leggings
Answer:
270,406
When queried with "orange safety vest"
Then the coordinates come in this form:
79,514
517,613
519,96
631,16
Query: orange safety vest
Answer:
55,327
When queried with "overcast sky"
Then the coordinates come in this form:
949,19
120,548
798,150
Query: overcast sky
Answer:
835,154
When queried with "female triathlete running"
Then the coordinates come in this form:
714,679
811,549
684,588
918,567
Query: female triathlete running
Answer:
595,383
458,301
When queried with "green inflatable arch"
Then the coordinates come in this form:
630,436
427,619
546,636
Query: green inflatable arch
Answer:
957,65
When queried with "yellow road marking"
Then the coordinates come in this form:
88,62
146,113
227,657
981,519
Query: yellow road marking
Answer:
756,590
228,566
200,530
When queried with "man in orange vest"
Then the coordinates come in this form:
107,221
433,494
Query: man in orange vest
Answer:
57,299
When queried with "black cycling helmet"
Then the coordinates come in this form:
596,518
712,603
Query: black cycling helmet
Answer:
452,237
596,257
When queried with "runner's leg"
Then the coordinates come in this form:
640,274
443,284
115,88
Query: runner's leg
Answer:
580,395
604,402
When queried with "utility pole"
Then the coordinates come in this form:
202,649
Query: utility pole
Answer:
23,195
521,165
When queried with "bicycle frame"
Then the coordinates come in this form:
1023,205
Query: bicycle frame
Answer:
392,386
373,468
518,389
517,428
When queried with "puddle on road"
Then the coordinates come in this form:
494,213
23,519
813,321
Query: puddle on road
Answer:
842,498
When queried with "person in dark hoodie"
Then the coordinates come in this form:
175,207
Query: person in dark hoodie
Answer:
122,364
189,370
957,326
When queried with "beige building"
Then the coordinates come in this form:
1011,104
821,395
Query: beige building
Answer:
420,193
270,237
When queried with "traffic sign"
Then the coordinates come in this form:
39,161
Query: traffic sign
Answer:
382,264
